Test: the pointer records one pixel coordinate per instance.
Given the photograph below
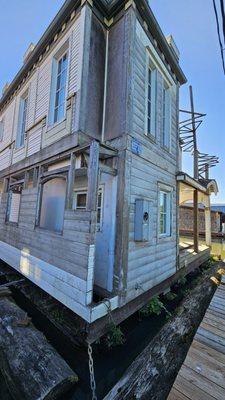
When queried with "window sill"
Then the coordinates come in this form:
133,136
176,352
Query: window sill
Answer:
11,223
40,229
20,147
166,149
56,124
151,137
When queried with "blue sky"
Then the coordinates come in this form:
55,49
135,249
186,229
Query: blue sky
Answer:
192,25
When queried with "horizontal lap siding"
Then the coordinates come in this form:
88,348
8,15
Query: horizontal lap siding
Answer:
34,140
149,263
8,117
68,253
43,89
38,87
5,158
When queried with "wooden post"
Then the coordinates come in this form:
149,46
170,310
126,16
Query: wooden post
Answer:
93,177
35,176
208,233
5,185
196,225
70,182
195,199
26,179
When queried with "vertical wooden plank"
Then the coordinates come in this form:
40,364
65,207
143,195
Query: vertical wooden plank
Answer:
93,177
5,185
196,225
35,176
70,182
26,179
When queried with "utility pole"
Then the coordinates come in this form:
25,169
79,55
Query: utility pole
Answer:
195,170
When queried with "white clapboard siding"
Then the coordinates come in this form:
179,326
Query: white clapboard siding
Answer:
32,101
76,51
149,263
43,89
34,140
14,207
5,158
18,154
7,117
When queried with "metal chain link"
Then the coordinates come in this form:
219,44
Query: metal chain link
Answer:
92,374
90,356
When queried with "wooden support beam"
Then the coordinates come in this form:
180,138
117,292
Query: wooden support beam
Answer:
208,234
93,177
35,176
196,220
70,182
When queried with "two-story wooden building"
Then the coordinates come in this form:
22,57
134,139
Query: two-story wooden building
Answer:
89,153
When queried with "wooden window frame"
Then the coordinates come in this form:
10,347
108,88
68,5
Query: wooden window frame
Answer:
168,191
151,98
166,116
22,120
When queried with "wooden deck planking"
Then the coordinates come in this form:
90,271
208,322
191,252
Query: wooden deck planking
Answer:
202,375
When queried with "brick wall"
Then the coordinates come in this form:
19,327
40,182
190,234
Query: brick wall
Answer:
186,220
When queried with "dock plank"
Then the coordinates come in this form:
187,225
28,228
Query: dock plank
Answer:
202,375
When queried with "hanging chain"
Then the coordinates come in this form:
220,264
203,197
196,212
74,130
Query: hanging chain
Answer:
92,374
90,355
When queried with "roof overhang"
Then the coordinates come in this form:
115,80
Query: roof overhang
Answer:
206,187
108,8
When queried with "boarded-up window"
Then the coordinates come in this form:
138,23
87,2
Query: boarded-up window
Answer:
53,204
13,208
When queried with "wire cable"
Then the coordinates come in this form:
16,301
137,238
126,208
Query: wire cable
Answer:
218,32
223,17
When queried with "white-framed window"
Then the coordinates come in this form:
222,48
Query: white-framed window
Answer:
13,204
80,201
166,116
20,139
58,88
151,98
165,212
1,130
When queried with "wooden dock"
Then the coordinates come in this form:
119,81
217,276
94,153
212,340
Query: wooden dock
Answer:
202,376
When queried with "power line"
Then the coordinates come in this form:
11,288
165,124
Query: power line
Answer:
223,17
218,32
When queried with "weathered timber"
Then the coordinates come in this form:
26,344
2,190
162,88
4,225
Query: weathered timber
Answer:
30,366
152,374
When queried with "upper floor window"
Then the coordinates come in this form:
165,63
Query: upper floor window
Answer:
151,99
60,96
164,213
1,130
20,139
166,116
58,88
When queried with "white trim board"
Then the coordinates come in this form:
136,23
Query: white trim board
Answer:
63,286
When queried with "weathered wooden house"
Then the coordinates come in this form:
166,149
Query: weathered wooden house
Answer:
88,159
